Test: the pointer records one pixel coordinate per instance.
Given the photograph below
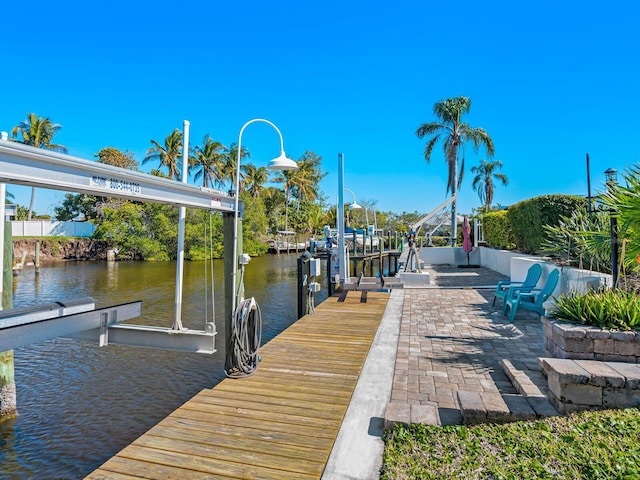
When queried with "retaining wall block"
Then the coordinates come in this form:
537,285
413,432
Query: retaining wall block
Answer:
620,398
602,375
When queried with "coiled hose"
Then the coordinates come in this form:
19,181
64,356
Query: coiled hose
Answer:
246,334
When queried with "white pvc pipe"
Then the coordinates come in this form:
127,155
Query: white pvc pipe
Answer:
177,319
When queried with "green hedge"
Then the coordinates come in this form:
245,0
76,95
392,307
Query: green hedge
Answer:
528,217
497,231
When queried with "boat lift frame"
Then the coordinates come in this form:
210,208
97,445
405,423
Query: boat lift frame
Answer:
35,167
432,214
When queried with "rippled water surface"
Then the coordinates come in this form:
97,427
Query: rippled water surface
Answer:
80,404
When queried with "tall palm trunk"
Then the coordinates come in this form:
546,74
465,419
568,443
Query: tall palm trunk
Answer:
454,193
33,198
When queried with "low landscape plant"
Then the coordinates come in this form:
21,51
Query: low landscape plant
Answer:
614,309
602,445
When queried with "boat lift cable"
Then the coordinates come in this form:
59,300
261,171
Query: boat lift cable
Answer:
213,299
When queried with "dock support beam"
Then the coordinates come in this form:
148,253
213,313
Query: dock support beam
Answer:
8,403
229,288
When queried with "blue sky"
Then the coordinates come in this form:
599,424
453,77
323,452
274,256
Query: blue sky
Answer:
550,82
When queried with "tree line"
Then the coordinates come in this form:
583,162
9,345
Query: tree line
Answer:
289,200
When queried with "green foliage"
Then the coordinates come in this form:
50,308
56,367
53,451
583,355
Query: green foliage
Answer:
75,205
254,225
614,309
586,445
497,230
528,217
623,201
203,235
581,240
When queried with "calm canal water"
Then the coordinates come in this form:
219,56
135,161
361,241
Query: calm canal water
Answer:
80,404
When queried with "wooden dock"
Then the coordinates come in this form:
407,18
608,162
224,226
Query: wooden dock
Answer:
281,422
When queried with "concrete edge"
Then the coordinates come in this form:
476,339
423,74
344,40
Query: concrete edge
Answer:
357,451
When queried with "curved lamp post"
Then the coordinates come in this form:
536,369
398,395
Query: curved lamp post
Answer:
353,206
279,163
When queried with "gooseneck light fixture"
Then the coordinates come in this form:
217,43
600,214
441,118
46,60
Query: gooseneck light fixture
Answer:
279,163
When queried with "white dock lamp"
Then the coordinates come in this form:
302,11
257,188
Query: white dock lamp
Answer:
279,163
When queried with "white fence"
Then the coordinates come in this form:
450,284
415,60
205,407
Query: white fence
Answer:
51,228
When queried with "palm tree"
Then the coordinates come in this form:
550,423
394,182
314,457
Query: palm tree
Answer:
486,172
454,134
167,155
208,162
37,132
255,178
304,181
230,156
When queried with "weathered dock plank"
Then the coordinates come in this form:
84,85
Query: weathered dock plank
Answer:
281,422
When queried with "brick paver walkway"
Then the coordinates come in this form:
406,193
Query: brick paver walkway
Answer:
453,339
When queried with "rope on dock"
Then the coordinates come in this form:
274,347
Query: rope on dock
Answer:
246,334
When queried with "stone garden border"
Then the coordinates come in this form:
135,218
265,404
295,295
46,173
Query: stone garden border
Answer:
582,342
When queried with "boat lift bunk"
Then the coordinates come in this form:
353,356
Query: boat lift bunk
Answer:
24,165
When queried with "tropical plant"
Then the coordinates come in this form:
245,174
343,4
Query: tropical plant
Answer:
486,173
580,239
454,134
230,157
254,179
167,155
305,180
614,309
208,162
37,132
623,202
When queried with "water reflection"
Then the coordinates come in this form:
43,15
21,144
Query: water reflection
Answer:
80,404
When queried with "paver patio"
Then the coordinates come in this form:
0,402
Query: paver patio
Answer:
451,339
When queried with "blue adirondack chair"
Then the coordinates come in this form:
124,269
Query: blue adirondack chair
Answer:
534,299
506,290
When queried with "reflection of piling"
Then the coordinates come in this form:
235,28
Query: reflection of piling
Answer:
36,262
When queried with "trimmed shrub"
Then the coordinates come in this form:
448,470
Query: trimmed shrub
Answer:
527,218
497,231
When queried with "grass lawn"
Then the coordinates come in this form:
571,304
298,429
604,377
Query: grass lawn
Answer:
589,445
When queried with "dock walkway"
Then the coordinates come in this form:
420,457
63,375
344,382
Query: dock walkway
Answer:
280,423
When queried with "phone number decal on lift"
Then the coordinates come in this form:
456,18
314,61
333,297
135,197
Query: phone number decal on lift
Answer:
115,184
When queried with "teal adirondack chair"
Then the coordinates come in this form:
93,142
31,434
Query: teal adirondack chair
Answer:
534,299
507,290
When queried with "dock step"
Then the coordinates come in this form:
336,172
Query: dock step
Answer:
530,402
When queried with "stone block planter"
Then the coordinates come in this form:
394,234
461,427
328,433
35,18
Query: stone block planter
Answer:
576,385
581,342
